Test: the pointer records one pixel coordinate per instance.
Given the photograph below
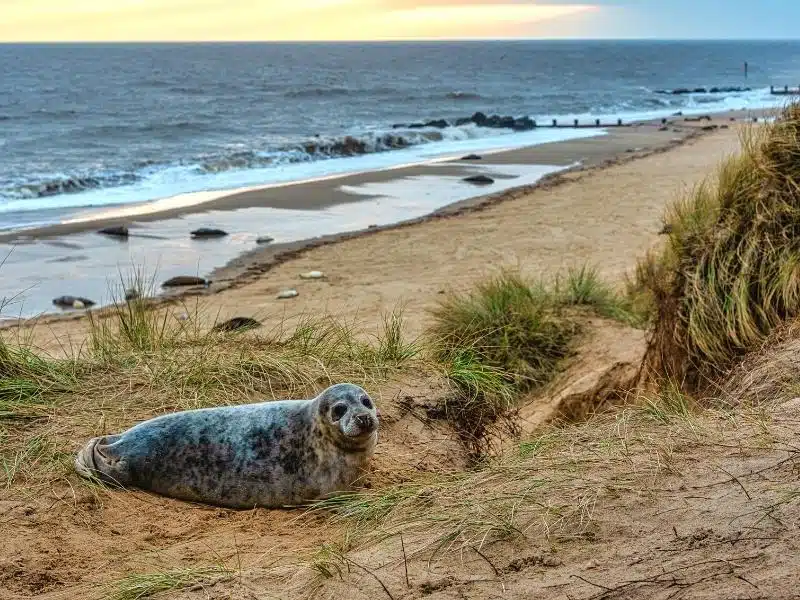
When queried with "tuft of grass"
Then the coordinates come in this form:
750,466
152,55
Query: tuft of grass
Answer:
392,345
667,403
730,273
329,561
479,382
505,324
584,287
27,380
133,325
35,455
508,336
146,585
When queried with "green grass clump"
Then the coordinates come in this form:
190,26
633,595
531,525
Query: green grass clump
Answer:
520,329
392,347
505,324
584,287
730,272
27,378
509,336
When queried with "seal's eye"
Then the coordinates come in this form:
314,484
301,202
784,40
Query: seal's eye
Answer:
338,411
366,402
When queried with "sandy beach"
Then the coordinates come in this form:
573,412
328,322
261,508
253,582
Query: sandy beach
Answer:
606,211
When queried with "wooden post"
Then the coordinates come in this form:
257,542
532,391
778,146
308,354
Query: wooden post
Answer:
576,122
772,89
597,122
555,122
619,122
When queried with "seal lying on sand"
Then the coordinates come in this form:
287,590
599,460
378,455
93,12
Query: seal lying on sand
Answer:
269,454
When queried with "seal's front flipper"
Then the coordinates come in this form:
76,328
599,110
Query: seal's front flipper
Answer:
99,461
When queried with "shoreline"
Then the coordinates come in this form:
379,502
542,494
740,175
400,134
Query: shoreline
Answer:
280,195
589,154
264,195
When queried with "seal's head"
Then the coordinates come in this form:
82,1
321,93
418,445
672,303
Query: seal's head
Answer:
349,415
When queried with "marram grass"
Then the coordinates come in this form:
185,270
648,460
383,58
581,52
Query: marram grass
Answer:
729,273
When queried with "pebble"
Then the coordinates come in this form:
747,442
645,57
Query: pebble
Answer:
287,294
312,275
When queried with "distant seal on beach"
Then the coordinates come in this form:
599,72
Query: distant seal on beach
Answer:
269,454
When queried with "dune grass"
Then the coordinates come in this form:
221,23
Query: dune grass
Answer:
505,324
146,585
729,274
583,286
28,380
522,329
141,360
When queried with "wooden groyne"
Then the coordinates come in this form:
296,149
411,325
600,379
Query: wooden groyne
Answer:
576,124
784,91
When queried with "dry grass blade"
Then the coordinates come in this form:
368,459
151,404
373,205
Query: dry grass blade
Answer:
146,585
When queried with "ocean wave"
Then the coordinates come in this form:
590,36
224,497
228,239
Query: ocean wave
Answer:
462,96
159,128
318,92
320,148
54,186
313,149
398,137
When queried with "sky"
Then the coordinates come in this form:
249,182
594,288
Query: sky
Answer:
281,20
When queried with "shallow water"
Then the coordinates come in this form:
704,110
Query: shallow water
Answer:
94,266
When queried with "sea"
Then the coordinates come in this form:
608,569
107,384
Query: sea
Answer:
86,126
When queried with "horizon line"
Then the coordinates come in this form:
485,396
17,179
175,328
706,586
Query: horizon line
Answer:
405,40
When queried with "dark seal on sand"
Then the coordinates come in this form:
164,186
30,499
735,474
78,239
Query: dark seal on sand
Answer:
270,454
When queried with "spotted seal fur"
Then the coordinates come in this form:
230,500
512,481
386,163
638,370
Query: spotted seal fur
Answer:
269,454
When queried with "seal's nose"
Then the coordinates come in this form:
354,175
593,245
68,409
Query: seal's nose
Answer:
364,421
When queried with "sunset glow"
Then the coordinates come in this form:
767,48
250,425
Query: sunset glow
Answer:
279,20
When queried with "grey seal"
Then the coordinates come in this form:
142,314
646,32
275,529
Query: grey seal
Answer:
269,454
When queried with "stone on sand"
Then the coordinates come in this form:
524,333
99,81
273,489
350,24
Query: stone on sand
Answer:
120,231
479,180
73,302
208,232
237,324
184,280
312,275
